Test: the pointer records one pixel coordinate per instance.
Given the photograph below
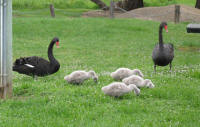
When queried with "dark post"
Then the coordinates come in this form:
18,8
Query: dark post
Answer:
52,10
111,9
177,14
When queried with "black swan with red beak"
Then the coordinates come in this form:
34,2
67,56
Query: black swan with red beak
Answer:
163,54
37,66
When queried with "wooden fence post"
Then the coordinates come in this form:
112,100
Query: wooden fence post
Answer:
177,14
111,9
52,10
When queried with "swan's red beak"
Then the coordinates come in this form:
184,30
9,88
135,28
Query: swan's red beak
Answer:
57,44
166,28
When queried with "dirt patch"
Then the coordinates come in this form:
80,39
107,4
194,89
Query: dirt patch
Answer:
99,13
189,49
164,13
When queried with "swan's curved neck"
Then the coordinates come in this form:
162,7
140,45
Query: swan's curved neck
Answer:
160,36
50,54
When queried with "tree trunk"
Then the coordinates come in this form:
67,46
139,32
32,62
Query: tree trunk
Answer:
125,4
132,4
101,4
197,4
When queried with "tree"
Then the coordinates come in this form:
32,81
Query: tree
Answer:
101,4
125,4
132,4
197,4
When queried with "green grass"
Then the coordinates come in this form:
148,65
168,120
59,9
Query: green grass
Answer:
167,2
104,45
46,13
57,3
21,4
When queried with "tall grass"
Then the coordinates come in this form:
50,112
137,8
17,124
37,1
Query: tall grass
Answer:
87,3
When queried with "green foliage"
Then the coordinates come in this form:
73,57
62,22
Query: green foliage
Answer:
104,45
159,2
57,3
87,4
168,2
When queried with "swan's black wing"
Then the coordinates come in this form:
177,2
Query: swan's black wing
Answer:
170,46
31,62
30,65
169,50
156,52
164,56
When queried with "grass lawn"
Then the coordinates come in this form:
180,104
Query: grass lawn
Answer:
104,45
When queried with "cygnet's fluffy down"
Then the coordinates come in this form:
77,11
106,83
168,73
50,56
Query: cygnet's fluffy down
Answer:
138,81
117,89
122,73
78,77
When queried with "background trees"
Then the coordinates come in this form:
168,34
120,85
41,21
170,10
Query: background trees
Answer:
125,4
197,4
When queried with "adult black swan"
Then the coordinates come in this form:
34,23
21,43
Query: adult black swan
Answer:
37,66
163,54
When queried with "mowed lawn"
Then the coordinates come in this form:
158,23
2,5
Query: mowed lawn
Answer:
103,45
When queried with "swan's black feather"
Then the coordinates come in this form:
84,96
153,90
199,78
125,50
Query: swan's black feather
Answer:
37,66
162,54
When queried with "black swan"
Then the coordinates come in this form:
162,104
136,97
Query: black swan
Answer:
163,54
37,66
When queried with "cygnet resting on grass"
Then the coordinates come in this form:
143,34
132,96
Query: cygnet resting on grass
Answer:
117,89
138,81
78,77
122,73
